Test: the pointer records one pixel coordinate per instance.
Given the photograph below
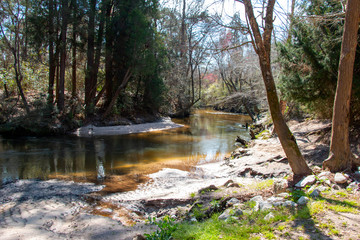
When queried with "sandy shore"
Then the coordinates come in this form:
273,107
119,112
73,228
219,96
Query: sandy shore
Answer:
91,130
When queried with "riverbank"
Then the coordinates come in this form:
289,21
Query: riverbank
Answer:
62,210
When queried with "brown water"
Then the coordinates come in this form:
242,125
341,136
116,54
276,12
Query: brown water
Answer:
122,162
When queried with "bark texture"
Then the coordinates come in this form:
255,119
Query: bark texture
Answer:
340,157
262,45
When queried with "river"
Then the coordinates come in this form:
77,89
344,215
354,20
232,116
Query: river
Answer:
122,162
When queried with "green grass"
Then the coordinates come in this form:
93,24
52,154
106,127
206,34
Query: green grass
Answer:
252,225
243,228
262,185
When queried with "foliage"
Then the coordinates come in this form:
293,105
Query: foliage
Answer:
310,60
166,228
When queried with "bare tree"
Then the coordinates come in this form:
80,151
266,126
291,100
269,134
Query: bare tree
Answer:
13,42
262,46
340,157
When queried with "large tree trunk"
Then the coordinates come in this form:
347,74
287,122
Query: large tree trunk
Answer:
64,22
89,78
262,46
340,157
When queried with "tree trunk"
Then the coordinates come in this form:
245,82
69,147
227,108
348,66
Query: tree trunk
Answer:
117,93
64,22
18,78
89,78
52,62
340,157
262,46
109,38
74,50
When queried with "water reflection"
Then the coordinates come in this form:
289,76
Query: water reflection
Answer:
120,162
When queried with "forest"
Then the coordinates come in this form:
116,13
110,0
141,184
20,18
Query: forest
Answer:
281,77
78,61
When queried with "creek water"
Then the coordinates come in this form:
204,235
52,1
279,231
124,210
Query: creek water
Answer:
122,162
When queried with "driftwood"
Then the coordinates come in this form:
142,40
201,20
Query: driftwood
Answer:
240,140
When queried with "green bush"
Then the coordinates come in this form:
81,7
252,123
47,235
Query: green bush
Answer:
166,227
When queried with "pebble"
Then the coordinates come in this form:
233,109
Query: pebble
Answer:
324,174
269,217
225,215
325,180
232,202
353,185
307,181
303,200
315,193
265,206
257,199
289,203
340,178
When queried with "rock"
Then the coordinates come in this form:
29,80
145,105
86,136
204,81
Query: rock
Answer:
353,186
283,195
311,189
280,185
324,174
269,217
265,206
225,215
325,180
257,199
307,181
289,203
340,178
107,210
315,193
230,212
303,200
232,202
193,219
208,189
322,188
274,199
238,212
335,187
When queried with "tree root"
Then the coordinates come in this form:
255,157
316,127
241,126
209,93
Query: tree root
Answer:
331,164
